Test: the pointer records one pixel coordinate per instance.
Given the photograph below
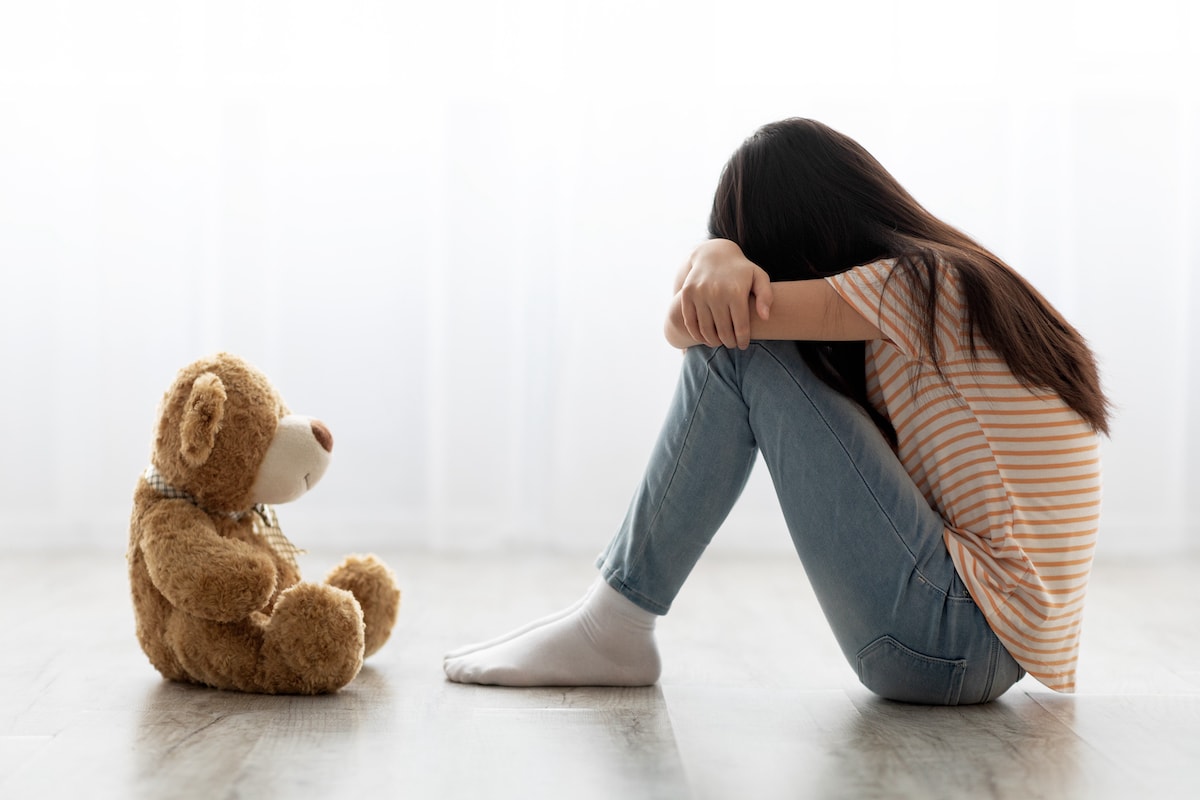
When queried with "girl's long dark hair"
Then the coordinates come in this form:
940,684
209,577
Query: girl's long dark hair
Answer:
804,201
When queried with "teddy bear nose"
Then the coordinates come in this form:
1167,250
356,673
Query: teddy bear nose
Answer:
324,437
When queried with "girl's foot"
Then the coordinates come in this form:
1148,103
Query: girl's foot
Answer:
605,640
537,623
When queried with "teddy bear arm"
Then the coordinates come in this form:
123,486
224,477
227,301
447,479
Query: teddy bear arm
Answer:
200,572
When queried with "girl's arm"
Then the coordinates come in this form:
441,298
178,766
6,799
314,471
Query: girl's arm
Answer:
723,298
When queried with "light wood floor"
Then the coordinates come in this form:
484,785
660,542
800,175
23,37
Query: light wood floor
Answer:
755,701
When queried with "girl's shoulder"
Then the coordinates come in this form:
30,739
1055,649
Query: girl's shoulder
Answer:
908,281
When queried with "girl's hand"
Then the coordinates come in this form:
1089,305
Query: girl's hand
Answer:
716,287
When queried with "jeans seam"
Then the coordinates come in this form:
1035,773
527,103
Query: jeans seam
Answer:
636,558
993,662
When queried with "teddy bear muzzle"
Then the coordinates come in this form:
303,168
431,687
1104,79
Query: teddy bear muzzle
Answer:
296,459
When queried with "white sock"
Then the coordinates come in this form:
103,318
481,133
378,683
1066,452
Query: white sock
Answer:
537,623
605,641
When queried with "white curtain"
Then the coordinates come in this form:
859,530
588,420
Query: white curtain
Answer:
449,230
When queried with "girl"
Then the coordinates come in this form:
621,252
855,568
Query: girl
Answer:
929,421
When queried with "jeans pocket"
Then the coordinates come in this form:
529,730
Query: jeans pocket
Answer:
895,672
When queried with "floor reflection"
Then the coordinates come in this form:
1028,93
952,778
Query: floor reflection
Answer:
1009,748
250,743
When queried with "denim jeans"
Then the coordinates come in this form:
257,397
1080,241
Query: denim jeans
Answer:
870,543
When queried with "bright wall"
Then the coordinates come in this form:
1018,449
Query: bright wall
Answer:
449,231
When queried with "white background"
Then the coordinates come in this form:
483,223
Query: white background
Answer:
449,229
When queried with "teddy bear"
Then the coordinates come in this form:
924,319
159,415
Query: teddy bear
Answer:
216,588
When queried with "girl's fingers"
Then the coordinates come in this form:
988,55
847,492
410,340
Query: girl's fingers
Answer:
690,323
762,292
728,328
740,318
708,331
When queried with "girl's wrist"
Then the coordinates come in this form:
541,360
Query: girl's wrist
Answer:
717,253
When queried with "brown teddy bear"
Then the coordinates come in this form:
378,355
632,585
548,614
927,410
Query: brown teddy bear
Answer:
216,588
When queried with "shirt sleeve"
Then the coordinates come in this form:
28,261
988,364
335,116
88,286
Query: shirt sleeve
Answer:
895,303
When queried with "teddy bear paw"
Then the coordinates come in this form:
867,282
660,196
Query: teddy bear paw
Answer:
374,586
314,640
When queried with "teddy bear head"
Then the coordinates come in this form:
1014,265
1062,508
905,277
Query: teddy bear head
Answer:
226,438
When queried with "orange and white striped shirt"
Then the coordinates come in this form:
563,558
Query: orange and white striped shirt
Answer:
1013,471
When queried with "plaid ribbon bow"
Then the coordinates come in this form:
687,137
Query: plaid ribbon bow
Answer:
266,524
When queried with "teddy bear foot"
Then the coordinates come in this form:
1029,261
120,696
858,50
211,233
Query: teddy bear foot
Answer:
313,642
374,586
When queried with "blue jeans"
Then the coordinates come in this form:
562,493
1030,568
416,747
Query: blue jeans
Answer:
870,543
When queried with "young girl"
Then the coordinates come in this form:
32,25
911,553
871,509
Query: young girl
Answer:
929,421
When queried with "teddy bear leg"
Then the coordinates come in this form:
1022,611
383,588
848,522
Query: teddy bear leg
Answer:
313,642
374,586
162,655
223,655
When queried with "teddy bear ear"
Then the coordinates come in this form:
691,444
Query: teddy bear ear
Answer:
202,419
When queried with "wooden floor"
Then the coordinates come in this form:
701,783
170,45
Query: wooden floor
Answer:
755,701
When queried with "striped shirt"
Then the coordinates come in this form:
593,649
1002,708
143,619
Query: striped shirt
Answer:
1014,472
